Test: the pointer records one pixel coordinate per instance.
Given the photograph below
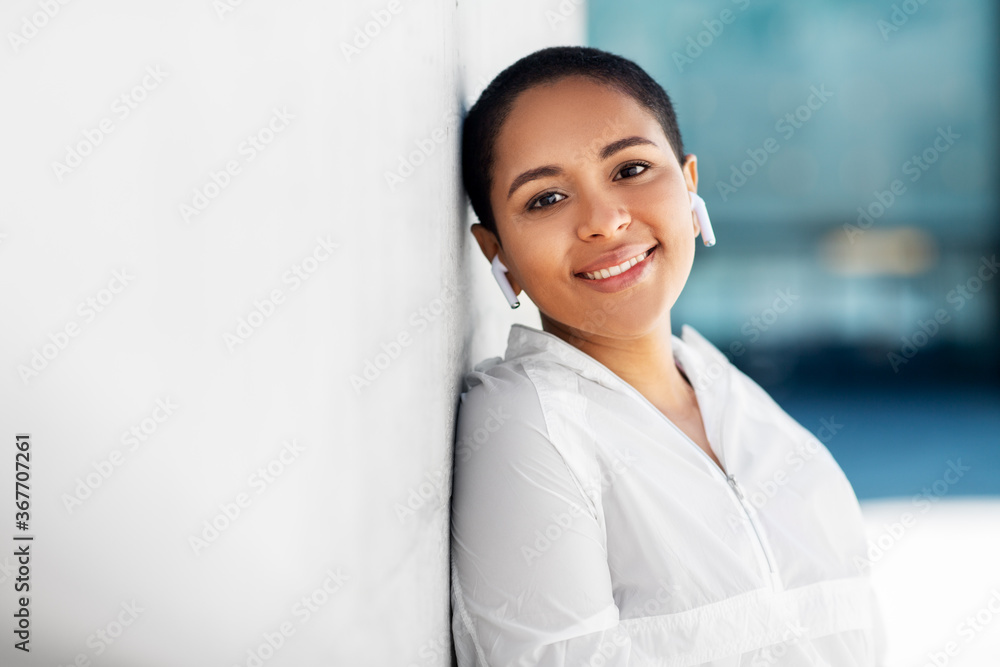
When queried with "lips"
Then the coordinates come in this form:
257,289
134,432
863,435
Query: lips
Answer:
616,263
634,275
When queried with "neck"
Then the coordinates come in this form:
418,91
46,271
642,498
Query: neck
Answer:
645,361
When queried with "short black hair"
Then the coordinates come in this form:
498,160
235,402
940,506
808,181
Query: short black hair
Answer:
486,117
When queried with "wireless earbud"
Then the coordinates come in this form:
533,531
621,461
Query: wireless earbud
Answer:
499,272
698,206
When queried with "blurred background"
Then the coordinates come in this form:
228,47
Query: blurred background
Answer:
846,155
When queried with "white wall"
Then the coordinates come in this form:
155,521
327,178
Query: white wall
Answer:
329,127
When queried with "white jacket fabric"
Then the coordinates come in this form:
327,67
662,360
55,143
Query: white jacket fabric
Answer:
587,529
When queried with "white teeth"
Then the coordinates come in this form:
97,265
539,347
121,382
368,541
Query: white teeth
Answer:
615,270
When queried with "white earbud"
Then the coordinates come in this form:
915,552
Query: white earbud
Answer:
698,206
499,271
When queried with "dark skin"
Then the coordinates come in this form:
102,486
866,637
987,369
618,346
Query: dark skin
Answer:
558,223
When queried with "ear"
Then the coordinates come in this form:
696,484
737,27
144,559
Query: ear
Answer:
490,246
690,170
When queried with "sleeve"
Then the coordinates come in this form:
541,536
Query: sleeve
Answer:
530,578
880,637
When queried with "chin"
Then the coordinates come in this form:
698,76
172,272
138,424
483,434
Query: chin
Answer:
617,318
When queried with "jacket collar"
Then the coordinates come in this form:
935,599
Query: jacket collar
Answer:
689,354
706,367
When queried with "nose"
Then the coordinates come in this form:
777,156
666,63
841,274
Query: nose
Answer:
602,214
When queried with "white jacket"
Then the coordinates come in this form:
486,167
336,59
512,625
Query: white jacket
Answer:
587,529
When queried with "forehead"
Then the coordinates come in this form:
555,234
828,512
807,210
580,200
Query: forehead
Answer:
569,120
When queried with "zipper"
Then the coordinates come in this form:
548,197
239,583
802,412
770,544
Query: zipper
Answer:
731,482
751,512
737,490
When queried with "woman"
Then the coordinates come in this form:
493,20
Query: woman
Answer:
622,496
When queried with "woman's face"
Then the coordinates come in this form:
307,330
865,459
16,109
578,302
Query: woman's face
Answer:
585,179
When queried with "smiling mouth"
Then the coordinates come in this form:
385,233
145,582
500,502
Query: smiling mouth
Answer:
627,265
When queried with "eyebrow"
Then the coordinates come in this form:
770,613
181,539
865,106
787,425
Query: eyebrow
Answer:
552,170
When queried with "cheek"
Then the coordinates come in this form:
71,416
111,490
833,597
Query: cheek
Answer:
538,262
676,228
683,238
655,195
684,255
679,245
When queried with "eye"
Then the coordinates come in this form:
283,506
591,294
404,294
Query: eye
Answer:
545,200
630,170
631,167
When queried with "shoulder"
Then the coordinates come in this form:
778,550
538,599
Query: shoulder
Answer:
522,418
497,398
530,391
